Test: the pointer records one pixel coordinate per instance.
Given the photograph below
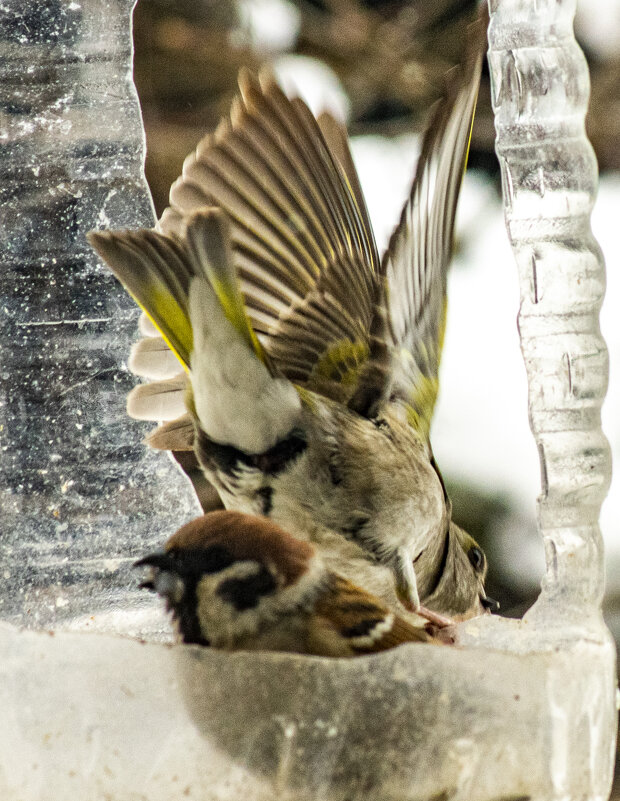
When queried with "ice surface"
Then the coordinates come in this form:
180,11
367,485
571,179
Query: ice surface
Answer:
80,495
95,717
520,710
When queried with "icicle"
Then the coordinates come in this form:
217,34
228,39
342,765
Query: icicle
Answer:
540,90
80,495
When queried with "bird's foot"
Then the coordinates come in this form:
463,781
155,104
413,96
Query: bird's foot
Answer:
440,621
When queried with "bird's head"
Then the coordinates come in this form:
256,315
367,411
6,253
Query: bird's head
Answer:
459,592
225,574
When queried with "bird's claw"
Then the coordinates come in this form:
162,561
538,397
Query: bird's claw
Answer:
434,618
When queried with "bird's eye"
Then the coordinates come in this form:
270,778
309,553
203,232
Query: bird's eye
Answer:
476,557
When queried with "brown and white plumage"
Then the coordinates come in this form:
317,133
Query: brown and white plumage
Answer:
235,581
312,364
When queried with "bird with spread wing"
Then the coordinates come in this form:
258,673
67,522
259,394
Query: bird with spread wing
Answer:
296,369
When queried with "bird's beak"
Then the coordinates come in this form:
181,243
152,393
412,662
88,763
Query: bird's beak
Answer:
489,604
162,577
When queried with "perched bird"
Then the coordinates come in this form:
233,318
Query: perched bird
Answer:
311,365
236,581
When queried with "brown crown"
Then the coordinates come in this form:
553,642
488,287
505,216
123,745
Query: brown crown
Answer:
246,537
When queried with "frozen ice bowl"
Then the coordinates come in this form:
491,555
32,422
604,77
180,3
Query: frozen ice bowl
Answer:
92,716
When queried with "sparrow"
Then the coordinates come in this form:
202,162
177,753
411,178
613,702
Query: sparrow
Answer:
309,364
235,581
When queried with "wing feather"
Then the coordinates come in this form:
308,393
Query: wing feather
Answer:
416,262
325,313
362,622
158,400
302,243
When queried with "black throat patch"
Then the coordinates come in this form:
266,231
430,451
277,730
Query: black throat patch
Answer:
191,565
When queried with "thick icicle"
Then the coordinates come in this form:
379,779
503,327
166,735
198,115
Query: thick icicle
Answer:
540,90
80,495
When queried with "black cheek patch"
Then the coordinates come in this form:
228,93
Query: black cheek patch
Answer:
191,564
245,593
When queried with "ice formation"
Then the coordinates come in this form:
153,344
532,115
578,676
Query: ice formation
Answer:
74,476
522,709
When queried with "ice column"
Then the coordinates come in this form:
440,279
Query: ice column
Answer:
540,89
80,497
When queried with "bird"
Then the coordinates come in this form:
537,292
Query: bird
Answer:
309,364
234,581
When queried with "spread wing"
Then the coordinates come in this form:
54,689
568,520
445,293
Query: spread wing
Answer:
302,242
303,250
329,316
416,262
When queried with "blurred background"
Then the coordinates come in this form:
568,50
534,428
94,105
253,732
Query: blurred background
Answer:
379,65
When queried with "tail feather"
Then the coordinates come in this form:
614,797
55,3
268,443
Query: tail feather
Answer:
155,271
188,287
175,435
153,358
158,400
146,327
207,237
